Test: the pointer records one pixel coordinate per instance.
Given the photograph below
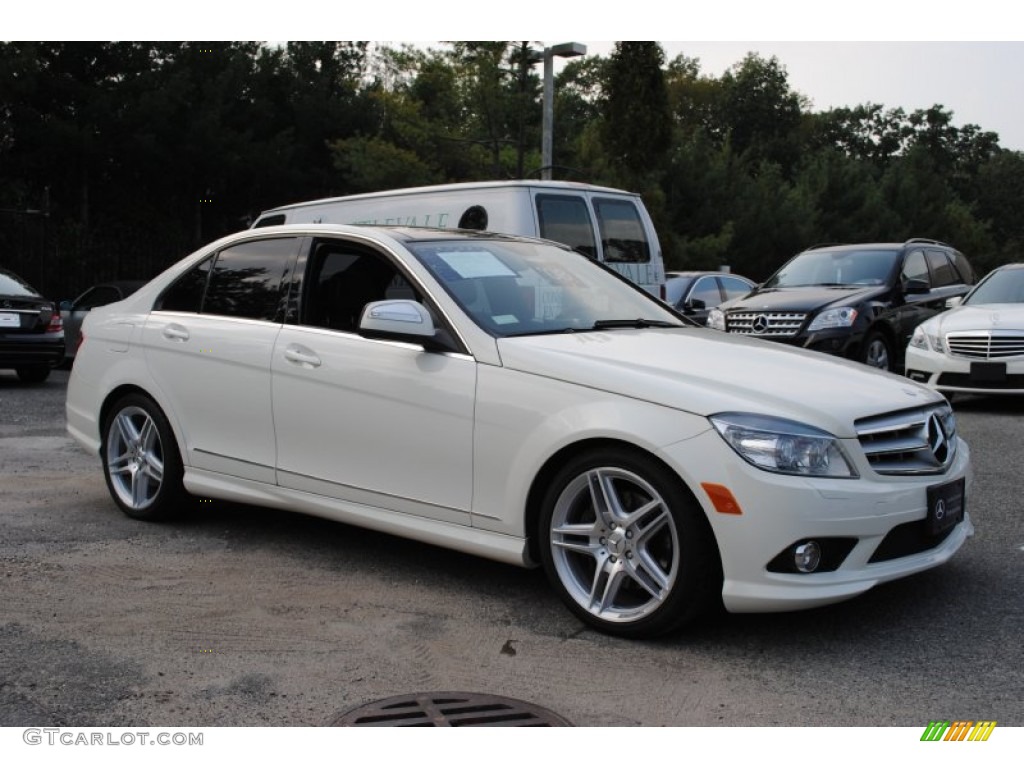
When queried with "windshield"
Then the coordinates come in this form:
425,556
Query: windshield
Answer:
1004,286
846,267
515,288
12,285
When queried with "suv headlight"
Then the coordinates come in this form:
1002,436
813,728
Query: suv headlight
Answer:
840,317
784,446
922,339
716,319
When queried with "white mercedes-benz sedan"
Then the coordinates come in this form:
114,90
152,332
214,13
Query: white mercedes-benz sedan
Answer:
978,346
513,399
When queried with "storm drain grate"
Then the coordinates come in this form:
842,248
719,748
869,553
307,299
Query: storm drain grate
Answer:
450,710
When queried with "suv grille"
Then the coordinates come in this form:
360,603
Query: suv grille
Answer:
771,324
986,345
921,441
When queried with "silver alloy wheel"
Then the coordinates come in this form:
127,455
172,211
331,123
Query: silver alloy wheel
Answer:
135,457
614,544
877,355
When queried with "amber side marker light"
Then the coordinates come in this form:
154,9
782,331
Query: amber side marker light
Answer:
722,498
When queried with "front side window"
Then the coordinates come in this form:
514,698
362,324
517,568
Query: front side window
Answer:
915,268
345,277
706,290
565,219
734,287
622,231
99,296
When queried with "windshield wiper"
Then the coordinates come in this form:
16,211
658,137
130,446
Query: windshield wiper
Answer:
640,322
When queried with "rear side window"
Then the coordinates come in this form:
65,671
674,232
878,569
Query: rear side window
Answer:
622,231
566,219
245,280
942,271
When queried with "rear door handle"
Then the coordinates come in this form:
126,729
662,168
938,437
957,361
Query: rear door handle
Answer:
175,332
302,356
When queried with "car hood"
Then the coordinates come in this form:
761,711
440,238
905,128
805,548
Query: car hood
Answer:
808,298
705,372
983,317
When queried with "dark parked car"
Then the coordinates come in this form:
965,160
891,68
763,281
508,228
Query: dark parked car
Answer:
74,312
697,293
857,301
31,332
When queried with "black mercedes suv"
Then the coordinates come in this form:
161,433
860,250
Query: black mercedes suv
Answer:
857,301
31,330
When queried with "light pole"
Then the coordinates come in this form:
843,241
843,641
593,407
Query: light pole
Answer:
565,51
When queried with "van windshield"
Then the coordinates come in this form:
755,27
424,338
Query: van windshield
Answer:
516,288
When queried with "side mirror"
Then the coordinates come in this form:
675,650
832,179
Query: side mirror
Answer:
695,304
401,320
915,286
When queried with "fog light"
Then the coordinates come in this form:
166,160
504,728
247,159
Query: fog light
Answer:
807,557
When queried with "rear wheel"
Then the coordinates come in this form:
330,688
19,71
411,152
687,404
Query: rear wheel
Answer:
33,374
626,546
141,462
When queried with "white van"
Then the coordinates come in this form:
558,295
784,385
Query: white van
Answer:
609,225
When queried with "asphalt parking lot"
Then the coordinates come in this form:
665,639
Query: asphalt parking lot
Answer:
242,616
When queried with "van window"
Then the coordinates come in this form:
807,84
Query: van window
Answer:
565,219
270,221
622,231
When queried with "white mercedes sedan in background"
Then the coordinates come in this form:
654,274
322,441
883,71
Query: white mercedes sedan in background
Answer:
513,399
978,346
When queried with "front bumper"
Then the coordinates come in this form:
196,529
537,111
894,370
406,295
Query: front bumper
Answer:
780,510
953,374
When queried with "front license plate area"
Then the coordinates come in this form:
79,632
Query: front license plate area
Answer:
988,373
945,506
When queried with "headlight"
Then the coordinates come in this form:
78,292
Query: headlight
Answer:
716,319
840,317
922,339
781,445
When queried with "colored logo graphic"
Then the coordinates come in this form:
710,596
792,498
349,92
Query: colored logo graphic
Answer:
958,730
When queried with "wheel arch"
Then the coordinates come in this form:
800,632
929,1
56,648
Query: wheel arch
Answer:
134,389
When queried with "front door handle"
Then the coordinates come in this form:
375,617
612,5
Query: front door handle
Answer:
301,356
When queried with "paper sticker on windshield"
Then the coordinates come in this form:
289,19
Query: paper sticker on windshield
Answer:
504,319
469,264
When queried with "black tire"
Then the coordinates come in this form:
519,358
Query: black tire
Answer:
33,374
876,351
657,569
141,461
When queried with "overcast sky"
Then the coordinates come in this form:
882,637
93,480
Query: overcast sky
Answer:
884,51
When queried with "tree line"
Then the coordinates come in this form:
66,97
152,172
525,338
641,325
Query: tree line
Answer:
118,158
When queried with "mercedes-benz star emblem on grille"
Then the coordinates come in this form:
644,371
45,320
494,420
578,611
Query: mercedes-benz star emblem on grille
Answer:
760,324
937,439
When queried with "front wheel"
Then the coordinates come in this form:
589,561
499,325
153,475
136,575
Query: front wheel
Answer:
626,546
141,462
877,352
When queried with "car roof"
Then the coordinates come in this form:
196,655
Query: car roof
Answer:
878,246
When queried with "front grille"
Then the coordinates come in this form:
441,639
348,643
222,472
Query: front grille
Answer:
985,345
919,441
777,325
